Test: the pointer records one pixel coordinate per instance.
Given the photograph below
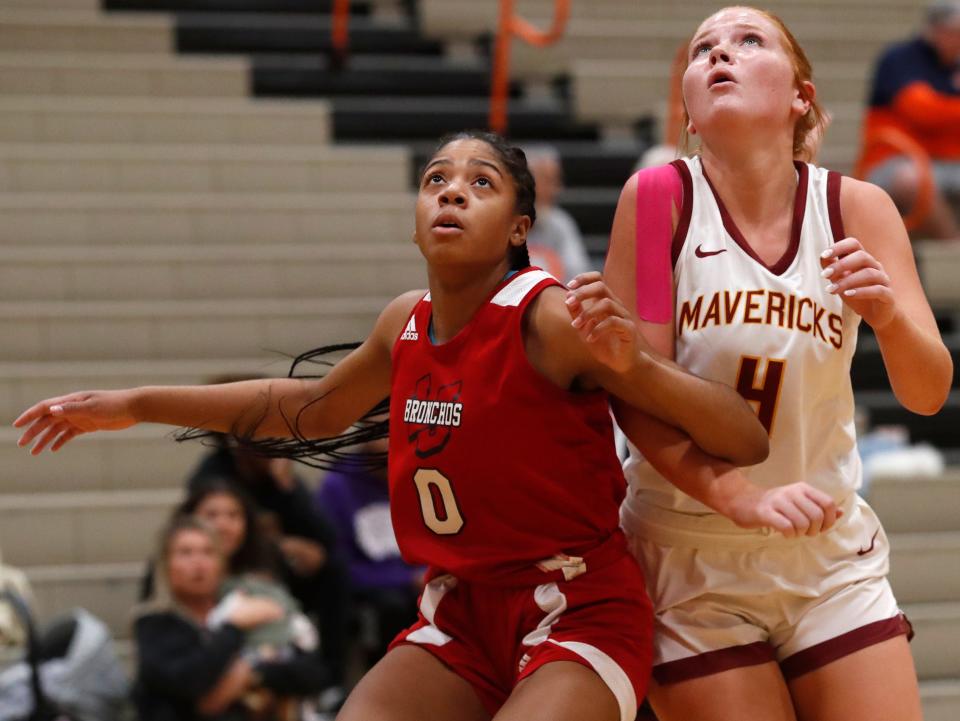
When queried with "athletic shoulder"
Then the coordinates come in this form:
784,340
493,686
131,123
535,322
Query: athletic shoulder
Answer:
394,316
548,321
549,307
870,215
859,198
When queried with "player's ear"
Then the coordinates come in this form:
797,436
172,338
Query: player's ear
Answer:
518,233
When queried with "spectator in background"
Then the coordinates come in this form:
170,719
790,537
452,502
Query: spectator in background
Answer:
285,511
249,568
13,579
255,566
357,500
189,668
554,242
916,91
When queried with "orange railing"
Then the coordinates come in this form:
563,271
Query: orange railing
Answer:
675,107
511,25
340,31
904,145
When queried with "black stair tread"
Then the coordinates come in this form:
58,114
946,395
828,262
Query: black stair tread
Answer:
292,33
592,208
357,7
370,62
596,245
427,118
869,372
370,75
940,430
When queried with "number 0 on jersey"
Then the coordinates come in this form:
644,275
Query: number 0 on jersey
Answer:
438,504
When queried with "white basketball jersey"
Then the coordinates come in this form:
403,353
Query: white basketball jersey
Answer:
772,332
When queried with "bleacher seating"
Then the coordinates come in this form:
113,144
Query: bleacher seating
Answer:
161,225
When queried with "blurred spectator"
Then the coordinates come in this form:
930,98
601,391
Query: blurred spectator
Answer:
79,675
13,579
285,512
250,565
916,93
192,662
383,585
554,242
227,510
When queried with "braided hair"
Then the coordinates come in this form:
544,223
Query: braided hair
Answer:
344,452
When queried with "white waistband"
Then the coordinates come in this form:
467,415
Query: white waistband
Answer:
672,528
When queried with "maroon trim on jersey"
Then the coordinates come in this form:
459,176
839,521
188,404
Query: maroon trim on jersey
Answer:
799,207
711,662
818,656
686,210
833,206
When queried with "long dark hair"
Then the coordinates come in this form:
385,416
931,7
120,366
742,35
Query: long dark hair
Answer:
338,453
341,452
254,554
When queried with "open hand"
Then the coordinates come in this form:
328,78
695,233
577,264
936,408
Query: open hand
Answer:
860,280
603,322
58,420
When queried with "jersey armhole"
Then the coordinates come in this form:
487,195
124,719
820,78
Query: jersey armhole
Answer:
410,328
686,210
659,189
834,181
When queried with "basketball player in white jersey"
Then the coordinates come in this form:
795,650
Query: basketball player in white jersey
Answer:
769,583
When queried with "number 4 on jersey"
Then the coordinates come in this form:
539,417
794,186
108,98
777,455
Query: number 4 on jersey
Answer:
763,389
438,504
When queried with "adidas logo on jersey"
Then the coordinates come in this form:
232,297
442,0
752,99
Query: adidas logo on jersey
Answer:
410,332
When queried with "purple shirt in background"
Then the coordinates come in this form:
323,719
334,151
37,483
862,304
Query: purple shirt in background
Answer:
358,505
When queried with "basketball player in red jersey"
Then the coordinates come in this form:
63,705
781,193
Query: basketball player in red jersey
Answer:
503,476
771,266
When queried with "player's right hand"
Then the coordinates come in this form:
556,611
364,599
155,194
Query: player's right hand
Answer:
798,509
58,420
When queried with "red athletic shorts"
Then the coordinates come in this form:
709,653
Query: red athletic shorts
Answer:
494,636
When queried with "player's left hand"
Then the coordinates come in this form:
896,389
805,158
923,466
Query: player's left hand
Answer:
860,280
603,322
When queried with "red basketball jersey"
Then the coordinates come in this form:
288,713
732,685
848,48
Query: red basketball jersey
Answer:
493,468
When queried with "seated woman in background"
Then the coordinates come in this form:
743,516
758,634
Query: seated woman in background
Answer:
252,565
187,668
302,534
281,649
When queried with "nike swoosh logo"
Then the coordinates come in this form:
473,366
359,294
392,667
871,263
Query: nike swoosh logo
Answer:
701,253
873,541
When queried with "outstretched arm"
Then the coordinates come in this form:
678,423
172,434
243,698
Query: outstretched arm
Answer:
267,408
